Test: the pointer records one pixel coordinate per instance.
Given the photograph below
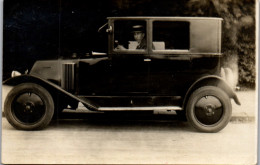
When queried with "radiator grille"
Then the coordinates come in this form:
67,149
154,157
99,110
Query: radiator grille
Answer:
68,76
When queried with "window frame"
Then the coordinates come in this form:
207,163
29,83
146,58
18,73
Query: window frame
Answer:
195,50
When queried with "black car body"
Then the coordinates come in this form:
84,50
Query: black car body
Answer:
178,70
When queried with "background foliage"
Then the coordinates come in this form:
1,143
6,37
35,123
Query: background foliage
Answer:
44,29
238,34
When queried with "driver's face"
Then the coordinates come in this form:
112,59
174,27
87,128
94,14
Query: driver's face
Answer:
138,36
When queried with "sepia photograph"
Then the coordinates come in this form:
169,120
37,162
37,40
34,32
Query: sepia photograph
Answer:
129,82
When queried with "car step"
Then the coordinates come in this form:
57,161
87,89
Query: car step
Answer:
157,108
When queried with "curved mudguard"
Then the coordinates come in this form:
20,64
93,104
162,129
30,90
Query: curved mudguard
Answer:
215,81
34,79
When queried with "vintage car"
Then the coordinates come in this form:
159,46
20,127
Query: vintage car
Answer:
177,69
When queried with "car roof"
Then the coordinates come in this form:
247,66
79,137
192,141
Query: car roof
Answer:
163,18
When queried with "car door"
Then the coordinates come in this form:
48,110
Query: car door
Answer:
129,65
129,74
170,66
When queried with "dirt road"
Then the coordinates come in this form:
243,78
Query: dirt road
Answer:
118,141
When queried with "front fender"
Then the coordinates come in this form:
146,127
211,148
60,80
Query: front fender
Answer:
49,85
213,81
13,81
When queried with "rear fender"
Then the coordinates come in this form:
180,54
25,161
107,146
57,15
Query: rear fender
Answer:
213,81
49,86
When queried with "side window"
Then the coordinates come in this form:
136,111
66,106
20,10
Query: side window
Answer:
130,35
169,35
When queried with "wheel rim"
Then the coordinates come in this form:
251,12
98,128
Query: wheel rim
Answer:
28,108
208,110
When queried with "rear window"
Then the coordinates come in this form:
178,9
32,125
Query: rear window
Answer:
168,35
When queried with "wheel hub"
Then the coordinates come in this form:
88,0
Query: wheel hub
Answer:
28,107
210,110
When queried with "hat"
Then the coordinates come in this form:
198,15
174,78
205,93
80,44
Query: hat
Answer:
138,28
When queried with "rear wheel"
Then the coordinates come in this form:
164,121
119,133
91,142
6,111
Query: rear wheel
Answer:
209,109
29,106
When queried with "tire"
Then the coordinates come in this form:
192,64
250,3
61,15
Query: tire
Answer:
208,109
29,106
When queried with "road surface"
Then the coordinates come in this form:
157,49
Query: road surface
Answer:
113,140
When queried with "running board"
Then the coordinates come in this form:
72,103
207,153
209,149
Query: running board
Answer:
158,108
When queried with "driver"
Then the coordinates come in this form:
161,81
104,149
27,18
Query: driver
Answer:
139,36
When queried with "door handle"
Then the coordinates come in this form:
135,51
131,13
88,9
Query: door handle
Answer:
147,60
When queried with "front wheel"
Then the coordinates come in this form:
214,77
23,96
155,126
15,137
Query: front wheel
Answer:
209,109
29,106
